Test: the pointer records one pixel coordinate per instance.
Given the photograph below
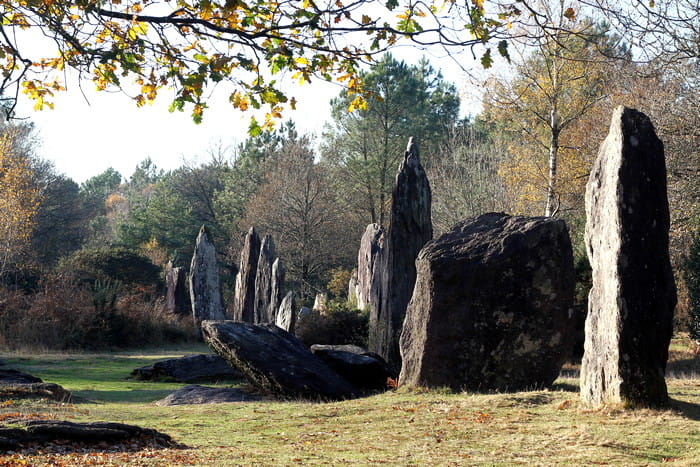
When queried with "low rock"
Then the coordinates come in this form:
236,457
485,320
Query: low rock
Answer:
363,369
195,394
10,376
275,362
188,369
286,317
51,431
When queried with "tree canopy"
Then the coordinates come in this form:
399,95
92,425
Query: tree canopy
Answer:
144,46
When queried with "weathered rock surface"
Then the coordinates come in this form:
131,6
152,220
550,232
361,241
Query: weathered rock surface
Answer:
275,362
48,431
409,229
370,248
15,384
194,394
492,306
286,315
188,369
276,290
363,369
263,281
177,296
243,306
205,290
630,306
10,376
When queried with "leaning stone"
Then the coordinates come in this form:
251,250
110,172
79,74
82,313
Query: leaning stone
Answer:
205,291
177,297
275,362
492,307
365,370
409,229
286,315
630,306
194,394
263,281
244,292
370,248
188,369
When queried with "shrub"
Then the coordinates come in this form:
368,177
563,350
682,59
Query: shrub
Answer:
118,264
66,315
691,274
338,325
339,281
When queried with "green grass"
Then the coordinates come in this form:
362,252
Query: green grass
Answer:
395,428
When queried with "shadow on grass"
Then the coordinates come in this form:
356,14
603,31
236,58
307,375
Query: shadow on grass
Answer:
687,409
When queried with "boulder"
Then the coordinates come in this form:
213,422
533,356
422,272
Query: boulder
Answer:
12,377
630,306
365,370
52,432
275,362
177,297
286,315
188,369
263,281
205,290
194,394
370,248
243,305
409,229
492,306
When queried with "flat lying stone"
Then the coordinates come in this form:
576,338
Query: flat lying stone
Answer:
189,369
195,394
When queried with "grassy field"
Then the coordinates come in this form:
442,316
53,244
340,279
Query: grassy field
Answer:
399,427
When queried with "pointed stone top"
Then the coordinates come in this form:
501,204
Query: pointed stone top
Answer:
411,156
204,232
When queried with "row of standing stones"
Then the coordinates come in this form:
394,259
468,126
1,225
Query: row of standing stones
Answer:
488,305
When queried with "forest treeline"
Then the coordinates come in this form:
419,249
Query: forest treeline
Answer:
99,248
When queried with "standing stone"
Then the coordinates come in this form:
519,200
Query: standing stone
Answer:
370,248
276,290
286,315
263,281
320,303
409,229
205,291
353,292
177,297
492,307
630,306
244,293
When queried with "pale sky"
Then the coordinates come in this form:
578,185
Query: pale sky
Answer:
90,131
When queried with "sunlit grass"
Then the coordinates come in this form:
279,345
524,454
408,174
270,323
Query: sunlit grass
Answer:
403,427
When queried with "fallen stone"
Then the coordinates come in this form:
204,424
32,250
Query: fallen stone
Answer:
52,431
194,394
492,306
189,369
363,369
18,385
275,362
10,376
630,306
